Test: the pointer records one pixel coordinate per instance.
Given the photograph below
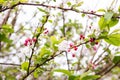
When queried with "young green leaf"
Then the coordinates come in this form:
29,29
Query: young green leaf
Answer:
44,51
90,77
63,71
23,0
113,22
113,39
102,24
24,65
36,75
107,21
116,58
7,28
78,5
42,10
87,76
2,1
4,38
50,21
101,10
55,42
69,4
119,8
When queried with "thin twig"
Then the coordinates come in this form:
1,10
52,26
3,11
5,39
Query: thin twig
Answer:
35,44
63,16
64,34
100,56
52,57
48,6
67,61
108,70
80,55
10,64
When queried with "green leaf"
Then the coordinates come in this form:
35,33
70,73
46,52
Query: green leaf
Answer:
90,77
116,57
119,8
113,22
108,15
101,10
78,5
2,1
83,15
7,29
69,4
113,39
87,76
44,51
107,21
42,10
36,75
87,46
4,38
44,18
23,0
102,24
116,31
24,66
73,77
103,34
50,21
55,42
38,72
116,70
63,71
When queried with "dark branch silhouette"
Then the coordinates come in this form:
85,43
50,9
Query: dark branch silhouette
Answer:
48,6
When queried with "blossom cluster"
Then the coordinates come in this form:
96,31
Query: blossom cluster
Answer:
29,41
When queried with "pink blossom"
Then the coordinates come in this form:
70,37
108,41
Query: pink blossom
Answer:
34,39
73,55
46,31
71,45
94,48
26,43
75,48
92,39
82,36
29,41
69,50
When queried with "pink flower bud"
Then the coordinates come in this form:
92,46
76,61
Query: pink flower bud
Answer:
34,39
28,40
96,43
82,36
71,45
46,32
92,40
69,50
94,48
25,44
73,55
75,48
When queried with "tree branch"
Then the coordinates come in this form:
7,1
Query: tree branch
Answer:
36,43
108,70
10,64
52,57
48,6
